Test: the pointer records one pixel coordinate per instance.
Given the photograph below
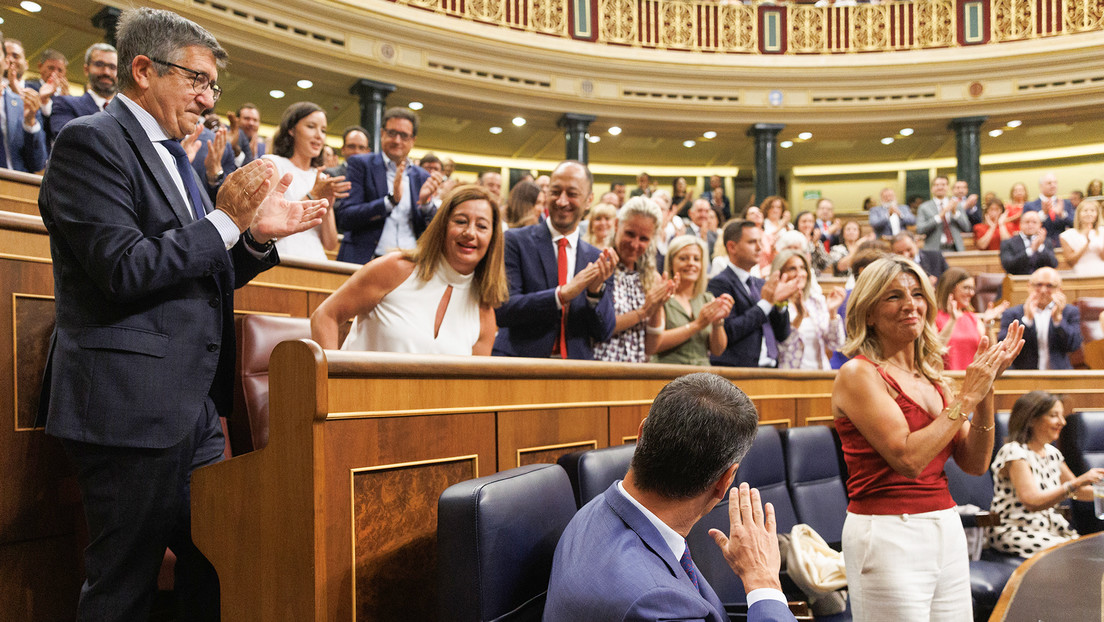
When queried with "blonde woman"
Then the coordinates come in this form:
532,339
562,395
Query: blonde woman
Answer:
898,422
693,318
1083,244
816,328
601,225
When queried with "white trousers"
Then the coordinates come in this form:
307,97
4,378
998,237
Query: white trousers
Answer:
907,567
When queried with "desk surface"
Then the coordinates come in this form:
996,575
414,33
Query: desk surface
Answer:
1062,583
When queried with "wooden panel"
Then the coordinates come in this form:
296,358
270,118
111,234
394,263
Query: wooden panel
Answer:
19,194
1014,288
23,236
41,579
32,324
624,422
527,431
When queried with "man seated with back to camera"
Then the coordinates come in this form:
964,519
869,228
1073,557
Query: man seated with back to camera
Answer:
624,555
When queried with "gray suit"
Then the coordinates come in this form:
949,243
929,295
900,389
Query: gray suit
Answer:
929,224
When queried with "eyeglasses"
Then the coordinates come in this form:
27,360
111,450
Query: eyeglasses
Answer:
397,134
1043,285
200,81
99,64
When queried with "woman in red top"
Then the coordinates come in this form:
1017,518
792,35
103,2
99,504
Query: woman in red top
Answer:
899,422
1013,209
995,229
960,329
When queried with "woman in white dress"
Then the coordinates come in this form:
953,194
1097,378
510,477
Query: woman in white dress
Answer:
1083,244
297,149
436,299
816,328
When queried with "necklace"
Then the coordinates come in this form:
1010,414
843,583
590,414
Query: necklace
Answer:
912,372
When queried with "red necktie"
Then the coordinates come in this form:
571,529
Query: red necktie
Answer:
561,270
1050,208
947,228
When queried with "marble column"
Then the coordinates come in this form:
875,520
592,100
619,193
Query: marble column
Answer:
968,151
373,98
575,135
766,158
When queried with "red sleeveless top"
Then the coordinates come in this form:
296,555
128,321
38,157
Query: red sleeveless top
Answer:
873,486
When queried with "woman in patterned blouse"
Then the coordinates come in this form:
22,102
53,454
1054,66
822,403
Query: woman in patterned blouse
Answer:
639,292
1030,478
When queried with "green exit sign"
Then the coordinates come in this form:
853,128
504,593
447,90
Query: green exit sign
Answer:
812,195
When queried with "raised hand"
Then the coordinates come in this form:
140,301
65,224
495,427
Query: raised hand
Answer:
212,162
835,300
430,188
190,143
330,188
397,185
751,546
277,217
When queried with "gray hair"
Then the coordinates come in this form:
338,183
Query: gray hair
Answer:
97,47
159,34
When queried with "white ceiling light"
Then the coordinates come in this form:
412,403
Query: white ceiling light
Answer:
907,131
593,139
888,140
995,133
518,121
688,143
30,7
786,144
614,131
805,135
710,135
415,105
276,94
496,130
1016,123
1,20
304,84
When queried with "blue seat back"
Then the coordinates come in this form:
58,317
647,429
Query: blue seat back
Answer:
818,492
591,472
496,536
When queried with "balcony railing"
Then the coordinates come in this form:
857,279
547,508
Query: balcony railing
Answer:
733,27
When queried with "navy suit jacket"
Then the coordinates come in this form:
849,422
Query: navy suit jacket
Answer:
144,293
932,262
611,563
27,149
529,322
1061,339
228,164
243,144
1015,260
69,107
361,215
744,324
1054,228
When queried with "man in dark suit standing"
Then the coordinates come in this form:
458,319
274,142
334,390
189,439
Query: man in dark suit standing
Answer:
24,141
354,141
932,262
1052,328
759,320
1028,249
389,205
624,555
560,302
1055,212
244,134
142,356
101,69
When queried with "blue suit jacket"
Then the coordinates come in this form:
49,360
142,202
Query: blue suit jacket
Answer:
744,324
361,215
144,293
228,165
879,219
1061,339
27,149
529,322
612,564
1054,228
69,107
243,144
1015,260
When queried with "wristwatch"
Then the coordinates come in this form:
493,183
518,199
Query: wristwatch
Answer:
391,199
252,243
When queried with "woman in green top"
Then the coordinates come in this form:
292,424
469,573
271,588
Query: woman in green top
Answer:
694,320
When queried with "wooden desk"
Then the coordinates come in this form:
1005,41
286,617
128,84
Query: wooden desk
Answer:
1014,288
1062,583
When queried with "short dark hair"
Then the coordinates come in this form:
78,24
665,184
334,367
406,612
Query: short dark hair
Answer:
1028,408
52,54
248,105
697,428
350,130
943,177
400,112
159,34
734,230
283,143
430,158
613,186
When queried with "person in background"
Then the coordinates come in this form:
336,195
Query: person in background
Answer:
1028,250
716,197
903,542
297,149
994,229
888,219
933,262
1083,244
681,197
1052,328
639,292
1014,208
776,218
805,223
643,187
863,257
693,318
816,328
1075,198
1095,188
1056,212
438,298
601,226
960,329
1030,479
842,254
828,227
522,207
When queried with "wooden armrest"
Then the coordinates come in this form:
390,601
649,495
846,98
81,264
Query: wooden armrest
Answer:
987,519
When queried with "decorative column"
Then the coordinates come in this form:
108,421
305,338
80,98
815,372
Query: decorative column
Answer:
106,19
968,151
766,158
575,134
373,97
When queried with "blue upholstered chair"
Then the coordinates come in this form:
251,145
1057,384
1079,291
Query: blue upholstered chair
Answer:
1082,445
812,470
592,471
496,536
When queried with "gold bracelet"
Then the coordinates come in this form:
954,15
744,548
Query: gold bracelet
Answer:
985,428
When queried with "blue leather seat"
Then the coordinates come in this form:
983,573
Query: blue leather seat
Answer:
496,536
989,574
1082,445
812,470
1000,432
592,471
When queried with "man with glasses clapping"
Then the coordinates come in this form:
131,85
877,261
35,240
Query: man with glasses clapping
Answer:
1052,327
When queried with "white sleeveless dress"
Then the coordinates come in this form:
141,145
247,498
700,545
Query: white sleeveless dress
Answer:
403,320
